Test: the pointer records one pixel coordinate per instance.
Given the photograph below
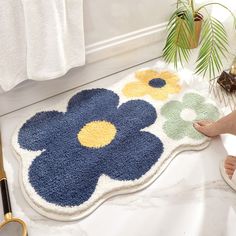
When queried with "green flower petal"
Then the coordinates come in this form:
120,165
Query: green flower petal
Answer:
176,128
172,109
192,100
207,111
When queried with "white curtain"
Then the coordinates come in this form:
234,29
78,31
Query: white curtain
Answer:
39,39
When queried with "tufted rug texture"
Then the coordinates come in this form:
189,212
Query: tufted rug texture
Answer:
103,142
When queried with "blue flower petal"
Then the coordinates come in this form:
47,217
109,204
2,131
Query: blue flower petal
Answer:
91,105
135,115
66,177
40,130
134,157
93,101
66,173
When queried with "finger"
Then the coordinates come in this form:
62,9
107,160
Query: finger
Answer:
203,122
230,160
229,172
201,129
229,167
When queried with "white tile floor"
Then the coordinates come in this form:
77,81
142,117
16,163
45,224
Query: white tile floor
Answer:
189,198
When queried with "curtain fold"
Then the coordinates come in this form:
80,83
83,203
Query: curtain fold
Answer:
39,39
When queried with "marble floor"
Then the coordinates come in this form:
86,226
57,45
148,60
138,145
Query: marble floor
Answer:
189,198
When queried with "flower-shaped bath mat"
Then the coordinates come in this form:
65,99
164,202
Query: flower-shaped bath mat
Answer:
107,141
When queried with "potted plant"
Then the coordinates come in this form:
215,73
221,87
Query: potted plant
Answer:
186,26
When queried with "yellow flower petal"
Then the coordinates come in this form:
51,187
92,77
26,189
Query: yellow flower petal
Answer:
146,75
168,76
159,95
169,88
172,78
141,88
135,89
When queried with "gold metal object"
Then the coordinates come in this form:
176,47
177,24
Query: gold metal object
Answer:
233,69
8,218
2,172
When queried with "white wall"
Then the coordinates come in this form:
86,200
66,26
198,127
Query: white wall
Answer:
106,19
118,34
111,24
222,15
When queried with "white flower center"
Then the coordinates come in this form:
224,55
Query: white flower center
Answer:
188,114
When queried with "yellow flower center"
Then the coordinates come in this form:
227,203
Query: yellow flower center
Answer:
97,134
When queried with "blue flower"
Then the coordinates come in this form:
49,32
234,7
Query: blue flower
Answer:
94,136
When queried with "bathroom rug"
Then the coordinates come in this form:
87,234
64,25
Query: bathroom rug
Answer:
102,142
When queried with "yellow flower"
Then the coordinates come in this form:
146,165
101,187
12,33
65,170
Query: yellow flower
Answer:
156,84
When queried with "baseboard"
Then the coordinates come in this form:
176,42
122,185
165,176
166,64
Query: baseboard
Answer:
124,43
103,59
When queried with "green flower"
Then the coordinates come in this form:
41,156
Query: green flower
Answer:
181,115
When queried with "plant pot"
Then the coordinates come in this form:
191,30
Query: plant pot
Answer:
193,39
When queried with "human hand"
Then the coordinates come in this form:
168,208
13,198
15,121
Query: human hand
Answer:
207,127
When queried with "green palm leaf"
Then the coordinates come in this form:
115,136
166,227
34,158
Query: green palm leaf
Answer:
214,45
180,27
